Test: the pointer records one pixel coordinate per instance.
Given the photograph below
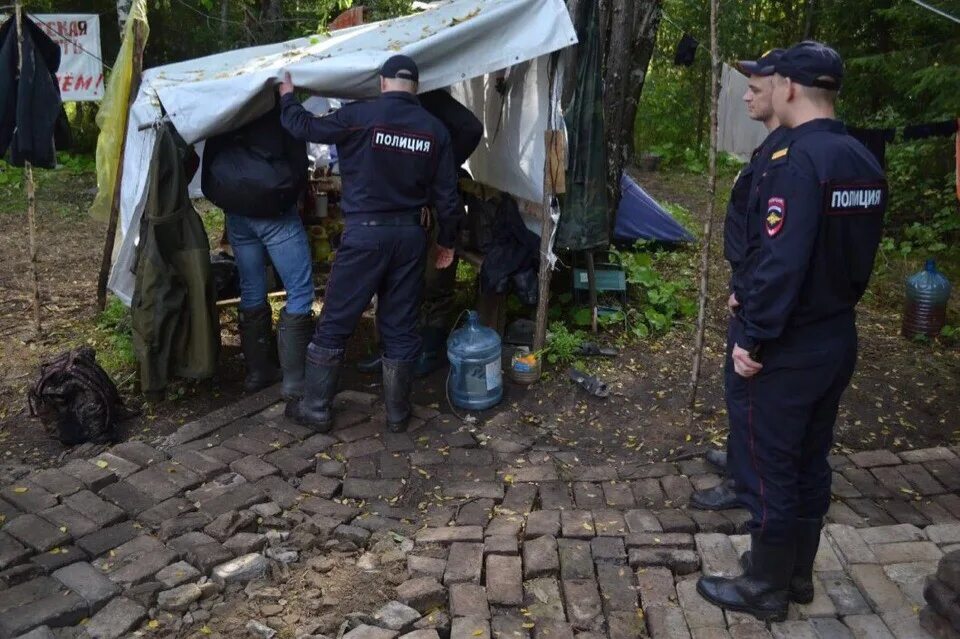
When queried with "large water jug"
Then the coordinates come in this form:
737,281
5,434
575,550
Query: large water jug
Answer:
476,381
926,308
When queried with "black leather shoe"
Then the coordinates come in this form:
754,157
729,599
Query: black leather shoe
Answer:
397,383
716,457
322,372
293,335
720,497
808,542
259,350
764,591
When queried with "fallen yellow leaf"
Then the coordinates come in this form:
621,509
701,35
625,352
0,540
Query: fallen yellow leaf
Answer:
102,464
19,489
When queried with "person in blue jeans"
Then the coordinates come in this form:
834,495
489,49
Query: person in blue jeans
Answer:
284,240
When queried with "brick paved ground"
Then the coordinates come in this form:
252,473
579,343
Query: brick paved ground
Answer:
502,535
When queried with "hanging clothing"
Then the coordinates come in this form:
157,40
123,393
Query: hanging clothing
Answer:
930,130
176,330
686,51
29,104
876,141
957,172
513,259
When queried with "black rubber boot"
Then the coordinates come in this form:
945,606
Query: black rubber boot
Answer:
764,591
259,351
433,355
723,496
293,336
808,542
717,457
397,383
321,373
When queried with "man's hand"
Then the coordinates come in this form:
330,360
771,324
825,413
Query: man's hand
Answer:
287,85
732,304
743,364
444,257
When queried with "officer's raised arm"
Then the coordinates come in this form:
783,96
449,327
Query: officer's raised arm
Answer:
446,197
790,224
329,129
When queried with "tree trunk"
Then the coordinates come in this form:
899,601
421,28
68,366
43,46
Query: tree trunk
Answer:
630,38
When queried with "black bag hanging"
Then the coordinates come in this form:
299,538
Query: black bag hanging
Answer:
686,51
77,398
258,170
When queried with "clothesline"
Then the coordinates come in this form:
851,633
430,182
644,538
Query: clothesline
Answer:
64,36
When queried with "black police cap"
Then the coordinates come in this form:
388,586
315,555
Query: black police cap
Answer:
400,67
812,64
764,65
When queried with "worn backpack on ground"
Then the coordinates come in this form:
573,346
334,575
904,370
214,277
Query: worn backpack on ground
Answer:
77,399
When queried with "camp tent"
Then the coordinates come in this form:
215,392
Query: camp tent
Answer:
495,54
640,217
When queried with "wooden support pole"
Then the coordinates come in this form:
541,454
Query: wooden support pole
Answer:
106,260
31,194
708,223
543,281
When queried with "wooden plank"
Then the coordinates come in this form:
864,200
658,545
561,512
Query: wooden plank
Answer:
556,174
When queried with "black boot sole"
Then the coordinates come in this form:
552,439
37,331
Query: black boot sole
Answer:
398,428
293,415
699,506
796,596
762,615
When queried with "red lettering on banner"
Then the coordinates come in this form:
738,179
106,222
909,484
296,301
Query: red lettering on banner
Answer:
83,83
66,84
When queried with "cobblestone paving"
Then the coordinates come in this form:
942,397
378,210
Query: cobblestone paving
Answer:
502,535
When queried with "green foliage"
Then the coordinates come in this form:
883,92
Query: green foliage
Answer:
563,344
11,179
659,302
113,338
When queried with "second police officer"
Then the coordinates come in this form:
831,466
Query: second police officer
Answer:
395,161
814,225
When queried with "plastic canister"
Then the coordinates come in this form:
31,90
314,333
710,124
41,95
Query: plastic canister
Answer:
927,294
476,379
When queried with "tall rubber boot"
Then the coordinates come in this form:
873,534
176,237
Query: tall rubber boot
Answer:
433,355
397,383
764,591
256,342
293,335
808,542
321,374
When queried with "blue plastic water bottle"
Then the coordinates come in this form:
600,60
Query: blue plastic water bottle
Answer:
476,380
927,294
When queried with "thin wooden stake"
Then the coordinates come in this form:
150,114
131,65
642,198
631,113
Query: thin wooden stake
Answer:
708,223
31,194
106,260
592,289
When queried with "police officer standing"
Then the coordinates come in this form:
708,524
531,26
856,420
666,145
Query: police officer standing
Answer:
758,101
814,224
395,160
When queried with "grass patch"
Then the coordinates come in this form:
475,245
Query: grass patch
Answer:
112,337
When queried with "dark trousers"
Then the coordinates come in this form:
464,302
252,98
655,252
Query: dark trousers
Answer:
781,425
384,260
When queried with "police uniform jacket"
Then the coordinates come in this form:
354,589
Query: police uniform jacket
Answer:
735,222
394,156
816,217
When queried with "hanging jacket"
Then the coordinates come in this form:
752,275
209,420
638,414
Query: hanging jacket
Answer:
29,105
176,329
513,258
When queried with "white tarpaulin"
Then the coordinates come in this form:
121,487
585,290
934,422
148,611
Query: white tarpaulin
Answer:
737,133
453,44
81,71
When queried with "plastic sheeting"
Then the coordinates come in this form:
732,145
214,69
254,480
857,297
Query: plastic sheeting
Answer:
452,44
737,133
112,116
640,217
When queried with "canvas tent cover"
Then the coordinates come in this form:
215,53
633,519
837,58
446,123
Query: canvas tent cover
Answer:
466,44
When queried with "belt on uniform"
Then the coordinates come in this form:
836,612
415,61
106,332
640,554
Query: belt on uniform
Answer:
383,219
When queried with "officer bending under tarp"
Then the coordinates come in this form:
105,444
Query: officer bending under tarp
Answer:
436,312
814,223
395,160
758,99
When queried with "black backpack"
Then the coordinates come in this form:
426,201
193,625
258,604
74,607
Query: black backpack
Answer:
77,399
258,170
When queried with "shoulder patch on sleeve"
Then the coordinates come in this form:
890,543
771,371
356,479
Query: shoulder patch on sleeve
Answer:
776,215
855,198
781,153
